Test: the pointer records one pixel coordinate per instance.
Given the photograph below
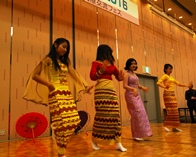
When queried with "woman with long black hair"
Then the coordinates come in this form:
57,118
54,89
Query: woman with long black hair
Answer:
49,84
107,124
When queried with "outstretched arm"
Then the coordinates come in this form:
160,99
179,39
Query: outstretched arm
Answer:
184,85
143,88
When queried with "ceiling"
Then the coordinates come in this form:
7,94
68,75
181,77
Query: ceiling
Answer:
184,8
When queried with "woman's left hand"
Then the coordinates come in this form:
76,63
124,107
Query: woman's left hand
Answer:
121,75
145,89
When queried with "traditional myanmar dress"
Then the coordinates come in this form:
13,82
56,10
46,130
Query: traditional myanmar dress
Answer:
63,111
140,126
107,124
172,117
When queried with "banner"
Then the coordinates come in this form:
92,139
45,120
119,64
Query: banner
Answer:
122,8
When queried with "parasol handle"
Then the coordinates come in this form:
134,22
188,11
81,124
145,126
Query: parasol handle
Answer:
33,134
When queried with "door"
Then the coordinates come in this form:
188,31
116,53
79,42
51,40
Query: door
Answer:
151,98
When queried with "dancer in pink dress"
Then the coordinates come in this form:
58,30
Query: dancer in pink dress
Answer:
140,126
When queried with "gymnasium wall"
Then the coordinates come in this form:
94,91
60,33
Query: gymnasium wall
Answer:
36,24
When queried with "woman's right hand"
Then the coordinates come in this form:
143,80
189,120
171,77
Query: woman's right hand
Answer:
135,92
51,87
105,64
88,89
190,84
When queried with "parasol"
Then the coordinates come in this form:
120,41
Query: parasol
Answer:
31,125
84,117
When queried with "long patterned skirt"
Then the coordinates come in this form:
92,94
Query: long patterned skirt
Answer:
64,114
140,125
107,125
172,117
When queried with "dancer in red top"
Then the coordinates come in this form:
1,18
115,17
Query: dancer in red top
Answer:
107,124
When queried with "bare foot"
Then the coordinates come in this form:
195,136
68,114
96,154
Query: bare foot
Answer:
95,146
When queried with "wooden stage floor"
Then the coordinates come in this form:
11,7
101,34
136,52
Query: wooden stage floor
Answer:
161,144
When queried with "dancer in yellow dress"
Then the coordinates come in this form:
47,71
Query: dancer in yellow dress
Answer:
167,82
49,84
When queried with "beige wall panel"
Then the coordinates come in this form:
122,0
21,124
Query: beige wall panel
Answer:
5,18
106,27
29,6
167,41
174,40
138,46
169,54
150,56
174,33
178,72
148,42
138,35
146,17
150,51
157,25
124,38
30,45
189,62
62,20
159,49
166,28
86,47
191,53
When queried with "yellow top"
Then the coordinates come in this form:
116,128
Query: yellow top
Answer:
168,81
38,93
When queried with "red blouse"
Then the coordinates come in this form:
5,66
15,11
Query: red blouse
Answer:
107,74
